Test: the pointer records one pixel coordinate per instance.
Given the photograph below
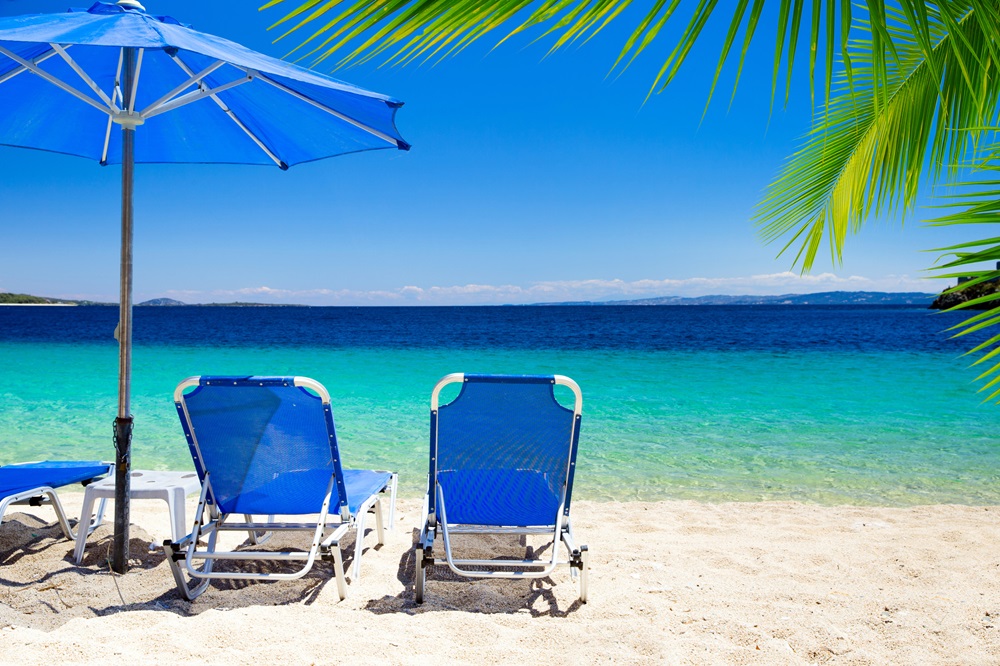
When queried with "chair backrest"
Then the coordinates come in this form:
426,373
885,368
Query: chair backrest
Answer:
265,443
504,450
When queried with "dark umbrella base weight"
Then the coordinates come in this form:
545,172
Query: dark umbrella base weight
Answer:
123,463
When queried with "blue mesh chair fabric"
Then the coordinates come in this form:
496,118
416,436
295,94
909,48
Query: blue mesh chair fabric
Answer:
267,446
16,479
503,451
270,448
502,461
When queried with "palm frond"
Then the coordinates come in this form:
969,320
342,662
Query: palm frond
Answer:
405,31
977,203
869,146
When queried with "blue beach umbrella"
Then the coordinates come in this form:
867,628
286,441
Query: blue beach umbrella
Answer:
121,86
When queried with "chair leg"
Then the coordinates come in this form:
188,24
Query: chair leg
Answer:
83,527
584,573
176,552
62,517
183,586
392,501
379,530
338,570
358,546
421,573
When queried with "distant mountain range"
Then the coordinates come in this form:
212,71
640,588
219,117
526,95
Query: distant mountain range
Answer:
162,301
821,298
169,302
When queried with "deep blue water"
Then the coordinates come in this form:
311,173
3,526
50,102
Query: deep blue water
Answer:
632,328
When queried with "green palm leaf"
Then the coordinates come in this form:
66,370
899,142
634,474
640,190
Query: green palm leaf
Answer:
870,145
404,31
978,203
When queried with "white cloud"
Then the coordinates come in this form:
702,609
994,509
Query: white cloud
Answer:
570,290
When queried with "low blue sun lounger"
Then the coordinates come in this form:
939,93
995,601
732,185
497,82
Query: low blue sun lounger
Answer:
267,446
502,458
35,484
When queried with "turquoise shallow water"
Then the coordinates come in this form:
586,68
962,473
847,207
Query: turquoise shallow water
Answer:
841,426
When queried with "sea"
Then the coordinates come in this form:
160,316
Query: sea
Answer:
864,405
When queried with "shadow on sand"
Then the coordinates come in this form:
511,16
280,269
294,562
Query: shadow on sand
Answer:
38,577
447,591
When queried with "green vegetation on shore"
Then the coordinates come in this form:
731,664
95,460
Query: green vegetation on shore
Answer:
7,298
27,299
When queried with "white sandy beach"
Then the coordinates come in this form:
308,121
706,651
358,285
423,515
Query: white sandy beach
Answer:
672,582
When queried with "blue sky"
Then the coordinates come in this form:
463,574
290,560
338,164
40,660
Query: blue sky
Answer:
530,179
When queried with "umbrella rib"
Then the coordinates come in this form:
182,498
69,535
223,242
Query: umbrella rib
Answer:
232,116
107,142
115,94
323,107
135,82
18,70
54,81
192,80
82,74
192,96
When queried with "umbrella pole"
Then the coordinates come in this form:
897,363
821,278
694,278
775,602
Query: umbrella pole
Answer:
123,424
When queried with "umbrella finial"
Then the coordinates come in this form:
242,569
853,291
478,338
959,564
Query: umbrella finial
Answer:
130,4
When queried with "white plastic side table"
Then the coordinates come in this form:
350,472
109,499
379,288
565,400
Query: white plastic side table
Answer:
171,487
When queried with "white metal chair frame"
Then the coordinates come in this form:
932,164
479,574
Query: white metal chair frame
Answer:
578,557
325,545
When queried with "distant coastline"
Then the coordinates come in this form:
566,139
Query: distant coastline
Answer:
42,305
171,303
874,298
7,298
819,298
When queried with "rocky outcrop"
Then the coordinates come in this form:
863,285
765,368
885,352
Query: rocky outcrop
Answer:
946,300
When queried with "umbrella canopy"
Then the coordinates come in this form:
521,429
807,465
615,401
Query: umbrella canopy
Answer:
118,85
198,98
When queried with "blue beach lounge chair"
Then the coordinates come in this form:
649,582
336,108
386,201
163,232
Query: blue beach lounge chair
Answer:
35,484
502,458
267,446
